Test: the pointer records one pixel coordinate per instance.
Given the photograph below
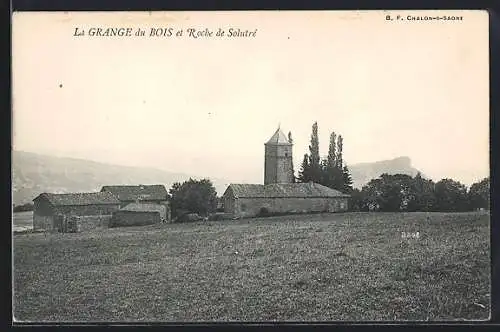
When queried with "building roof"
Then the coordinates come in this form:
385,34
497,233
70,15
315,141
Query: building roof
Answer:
155,192
278,138
143,207
100,198
283,190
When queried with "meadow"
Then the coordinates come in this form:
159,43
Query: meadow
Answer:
327,267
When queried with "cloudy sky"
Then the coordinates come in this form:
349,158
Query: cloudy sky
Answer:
206,106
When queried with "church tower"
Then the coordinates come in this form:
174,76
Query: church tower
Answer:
278,162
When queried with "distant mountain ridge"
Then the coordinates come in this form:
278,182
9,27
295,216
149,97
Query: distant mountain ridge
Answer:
362,173
34,173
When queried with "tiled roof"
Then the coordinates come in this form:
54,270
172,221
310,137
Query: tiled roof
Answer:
282,190
101,198
155,192
143,207
278,138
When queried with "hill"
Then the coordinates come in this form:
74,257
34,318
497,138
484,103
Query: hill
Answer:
35,173
362,173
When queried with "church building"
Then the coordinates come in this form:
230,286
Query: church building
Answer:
279,194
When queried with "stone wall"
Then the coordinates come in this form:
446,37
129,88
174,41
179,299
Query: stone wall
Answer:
87,223
86,210
229,203
251,207
42,223
134,218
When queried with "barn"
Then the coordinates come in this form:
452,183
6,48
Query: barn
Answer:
250,200
93,209
138,214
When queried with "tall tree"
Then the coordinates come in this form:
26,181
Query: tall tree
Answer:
336,174
340,146
314,146
331,175
329,171
332,151
314,158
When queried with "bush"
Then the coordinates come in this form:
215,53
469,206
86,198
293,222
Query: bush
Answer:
195,196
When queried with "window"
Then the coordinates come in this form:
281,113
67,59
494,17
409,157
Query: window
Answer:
286,154
243,207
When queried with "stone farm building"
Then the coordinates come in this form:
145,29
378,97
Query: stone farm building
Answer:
250,200
278,194
93,209
139,214
150,194
144,193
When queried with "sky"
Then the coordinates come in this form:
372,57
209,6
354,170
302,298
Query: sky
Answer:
206,106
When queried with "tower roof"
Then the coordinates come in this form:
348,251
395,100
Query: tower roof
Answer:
278,138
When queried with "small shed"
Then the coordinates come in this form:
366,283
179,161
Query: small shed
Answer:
138,214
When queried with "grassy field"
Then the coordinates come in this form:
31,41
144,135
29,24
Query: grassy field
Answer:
352,266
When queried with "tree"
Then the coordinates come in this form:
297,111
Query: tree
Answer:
332,176
401,192
394,193
356,201
193,196
389,193
332,150
339,160
479,195
175,188
425,198
314,158
346,180
371,195
305,170
330,171
451,196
